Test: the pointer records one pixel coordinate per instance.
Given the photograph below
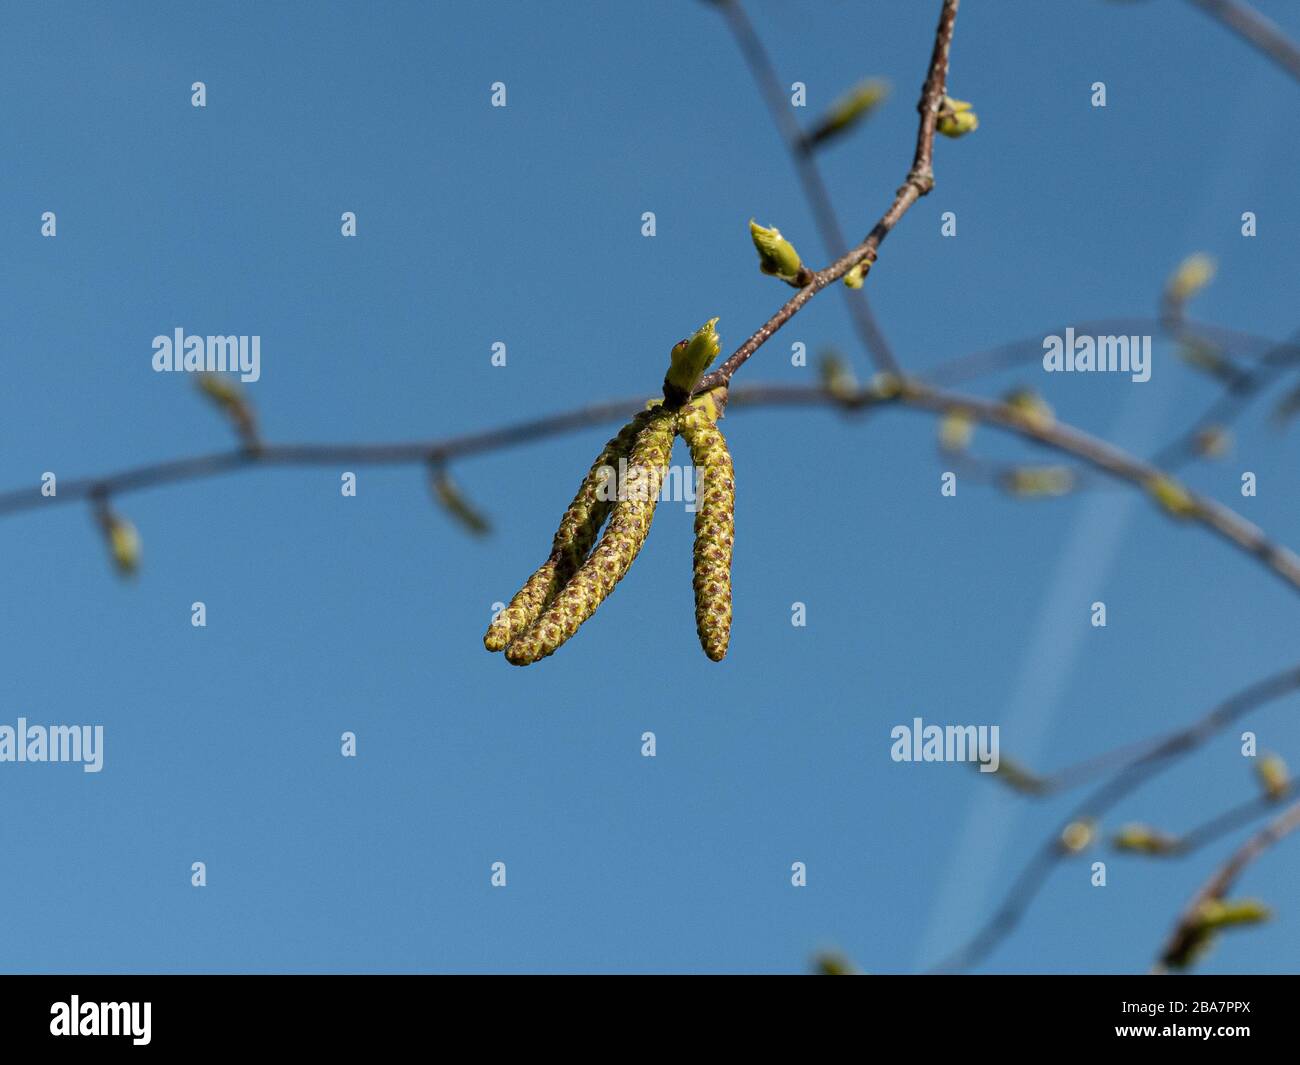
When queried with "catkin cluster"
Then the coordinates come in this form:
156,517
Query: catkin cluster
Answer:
577,577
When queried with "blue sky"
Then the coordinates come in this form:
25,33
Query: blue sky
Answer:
522,225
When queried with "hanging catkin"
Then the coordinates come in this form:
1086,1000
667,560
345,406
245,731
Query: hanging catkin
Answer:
715,502
575,579
629,524
572,542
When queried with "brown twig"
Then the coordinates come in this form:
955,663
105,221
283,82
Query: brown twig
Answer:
1270,358
1244,387
919,181
1216,517
1222,823
810,176
1219,519
1025,888
389,454
1029,349
1071,776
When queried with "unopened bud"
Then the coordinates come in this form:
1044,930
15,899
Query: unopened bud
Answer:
1173,498
1030,408
837,377
1076,836
226,392
1273,776
689,359
1214,914
956,118
832,963
1143,839
849,110
776,255
1214,441
956,429
886,386
1038,481
1192,275
121,537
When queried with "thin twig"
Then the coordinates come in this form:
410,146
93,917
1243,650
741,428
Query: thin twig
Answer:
1242,384
1025,888
401,453
810,176
1216,517
1077,773
1241,390
1253,27
1221,824
919,181
1187,927
1029,349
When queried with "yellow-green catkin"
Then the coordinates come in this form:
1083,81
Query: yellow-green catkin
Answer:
572,543
715,522
629,525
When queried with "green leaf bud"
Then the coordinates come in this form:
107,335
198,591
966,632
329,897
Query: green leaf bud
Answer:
956,118
776,255
850,109
1172,497
688,361
1273,776
1190,277
1143,839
